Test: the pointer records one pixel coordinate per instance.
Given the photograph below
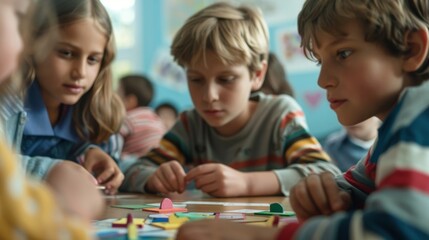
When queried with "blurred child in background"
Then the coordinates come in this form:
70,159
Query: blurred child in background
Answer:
142,129
168,114
347,146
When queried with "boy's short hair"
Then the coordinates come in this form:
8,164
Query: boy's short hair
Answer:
384,22
235,34
139,86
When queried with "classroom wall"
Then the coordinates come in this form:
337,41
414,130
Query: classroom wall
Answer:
158,20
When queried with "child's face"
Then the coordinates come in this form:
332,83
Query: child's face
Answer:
168,116
10,39
220,93
361,79
73,65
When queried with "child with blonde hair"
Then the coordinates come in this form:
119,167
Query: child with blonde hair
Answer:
28,209
374,62
72,111
235,143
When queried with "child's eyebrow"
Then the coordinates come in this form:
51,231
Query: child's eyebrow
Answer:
78,48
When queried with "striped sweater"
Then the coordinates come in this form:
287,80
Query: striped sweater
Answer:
389,186
142,130
275,138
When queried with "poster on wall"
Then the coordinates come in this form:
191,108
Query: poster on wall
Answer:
292,55
274,11
169,72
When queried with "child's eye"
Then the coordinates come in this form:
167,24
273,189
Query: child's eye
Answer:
195,80
343,54
225,80
93,60
65,53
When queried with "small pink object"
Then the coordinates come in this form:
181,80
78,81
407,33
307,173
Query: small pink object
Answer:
166,203
166,206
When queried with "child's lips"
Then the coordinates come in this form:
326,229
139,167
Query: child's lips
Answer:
213,112
73,88
336,103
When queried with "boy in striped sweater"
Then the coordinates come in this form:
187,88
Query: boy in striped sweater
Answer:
374,62
235,143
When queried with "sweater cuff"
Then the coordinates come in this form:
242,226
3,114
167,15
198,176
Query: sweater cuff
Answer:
288,231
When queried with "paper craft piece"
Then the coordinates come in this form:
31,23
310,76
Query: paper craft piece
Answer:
159,219
194,215
132,232
166,206
272,221
276,209
173,223
230,216
131,206
123,222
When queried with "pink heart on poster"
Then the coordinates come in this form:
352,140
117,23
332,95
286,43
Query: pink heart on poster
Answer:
313,99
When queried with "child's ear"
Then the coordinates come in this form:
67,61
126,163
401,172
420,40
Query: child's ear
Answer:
259,76
418,44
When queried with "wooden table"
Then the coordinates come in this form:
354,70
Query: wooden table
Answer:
111,212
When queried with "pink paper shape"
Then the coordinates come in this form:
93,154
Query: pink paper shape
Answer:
166,203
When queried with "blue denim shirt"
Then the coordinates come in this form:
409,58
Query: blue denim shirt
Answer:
13,121
41,138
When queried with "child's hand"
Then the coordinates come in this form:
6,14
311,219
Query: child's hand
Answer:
318,195
104,168
169,177
75,190
218,180
224,229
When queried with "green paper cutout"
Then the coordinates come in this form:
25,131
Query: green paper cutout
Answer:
276,207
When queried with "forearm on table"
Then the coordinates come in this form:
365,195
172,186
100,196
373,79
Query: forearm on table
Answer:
262,183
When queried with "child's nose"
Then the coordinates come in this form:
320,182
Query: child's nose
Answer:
211,93
79,70
326,79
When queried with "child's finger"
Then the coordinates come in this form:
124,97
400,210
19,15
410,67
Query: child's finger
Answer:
161,181
88,165
158,185
211,188
317,193
299,210
180,176
106,174
332,191
170,179
203,180
202,169
305,200
115,181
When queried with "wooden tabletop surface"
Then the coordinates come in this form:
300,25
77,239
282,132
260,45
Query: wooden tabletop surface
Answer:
122,199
